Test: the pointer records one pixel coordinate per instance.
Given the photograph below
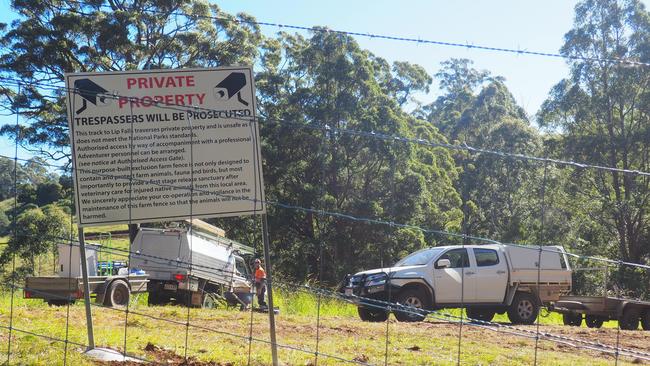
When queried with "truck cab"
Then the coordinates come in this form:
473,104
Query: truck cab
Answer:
481,278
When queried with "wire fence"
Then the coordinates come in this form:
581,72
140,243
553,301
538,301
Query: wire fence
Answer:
193,322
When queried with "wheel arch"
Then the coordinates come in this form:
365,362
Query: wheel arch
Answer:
419,286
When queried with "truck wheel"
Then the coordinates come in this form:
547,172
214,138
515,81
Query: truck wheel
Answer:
412,299
572,319
630,319
594,321
117,294
372,315
524,309
485,315
645,320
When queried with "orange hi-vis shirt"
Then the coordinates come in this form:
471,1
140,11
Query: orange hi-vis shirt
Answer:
260,274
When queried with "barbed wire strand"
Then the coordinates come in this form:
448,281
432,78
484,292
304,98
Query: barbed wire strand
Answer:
374,36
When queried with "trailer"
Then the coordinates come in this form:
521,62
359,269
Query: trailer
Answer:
111,288
598,309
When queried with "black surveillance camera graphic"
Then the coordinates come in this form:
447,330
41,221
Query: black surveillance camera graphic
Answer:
231,85
89,91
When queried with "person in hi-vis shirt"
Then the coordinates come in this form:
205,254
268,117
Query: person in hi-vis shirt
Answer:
260,282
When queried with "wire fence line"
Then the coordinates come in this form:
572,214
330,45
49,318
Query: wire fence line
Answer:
386,306
324,30
373,303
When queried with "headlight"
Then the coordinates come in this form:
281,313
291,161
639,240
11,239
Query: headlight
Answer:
376,280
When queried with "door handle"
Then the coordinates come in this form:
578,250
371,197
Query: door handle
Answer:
469,273
501,272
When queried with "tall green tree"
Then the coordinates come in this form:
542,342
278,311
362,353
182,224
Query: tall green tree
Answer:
602,111
499,195
310,90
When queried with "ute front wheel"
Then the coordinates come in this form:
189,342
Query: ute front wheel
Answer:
411,302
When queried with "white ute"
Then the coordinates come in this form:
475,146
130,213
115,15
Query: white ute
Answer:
484,279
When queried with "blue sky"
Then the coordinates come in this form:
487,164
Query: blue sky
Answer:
528,25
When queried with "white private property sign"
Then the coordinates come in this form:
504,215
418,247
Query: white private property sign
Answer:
145,143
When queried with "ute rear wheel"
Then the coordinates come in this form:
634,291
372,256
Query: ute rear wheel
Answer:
117,295
411,301
594,321
524,309
372,314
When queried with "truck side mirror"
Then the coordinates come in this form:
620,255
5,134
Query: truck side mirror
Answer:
443,263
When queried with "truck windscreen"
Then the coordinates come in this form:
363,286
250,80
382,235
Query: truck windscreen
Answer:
419,258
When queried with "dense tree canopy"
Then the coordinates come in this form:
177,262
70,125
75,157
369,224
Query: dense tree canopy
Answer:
314,88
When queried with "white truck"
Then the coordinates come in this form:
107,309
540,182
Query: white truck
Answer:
192,267
484,279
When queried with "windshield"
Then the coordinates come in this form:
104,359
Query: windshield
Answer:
419,258
240,267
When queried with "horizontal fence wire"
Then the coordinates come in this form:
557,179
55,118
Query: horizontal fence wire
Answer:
377,304
530,246
373,36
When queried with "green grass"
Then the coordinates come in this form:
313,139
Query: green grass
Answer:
340,334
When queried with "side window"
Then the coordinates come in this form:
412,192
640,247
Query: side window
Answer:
457,257
486,257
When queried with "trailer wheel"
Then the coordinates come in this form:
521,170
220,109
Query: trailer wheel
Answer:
524,309
594,321
117,295
572,319
630,319
645,320
372,315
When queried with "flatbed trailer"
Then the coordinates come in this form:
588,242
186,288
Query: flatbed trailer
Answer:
598,309
112,291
